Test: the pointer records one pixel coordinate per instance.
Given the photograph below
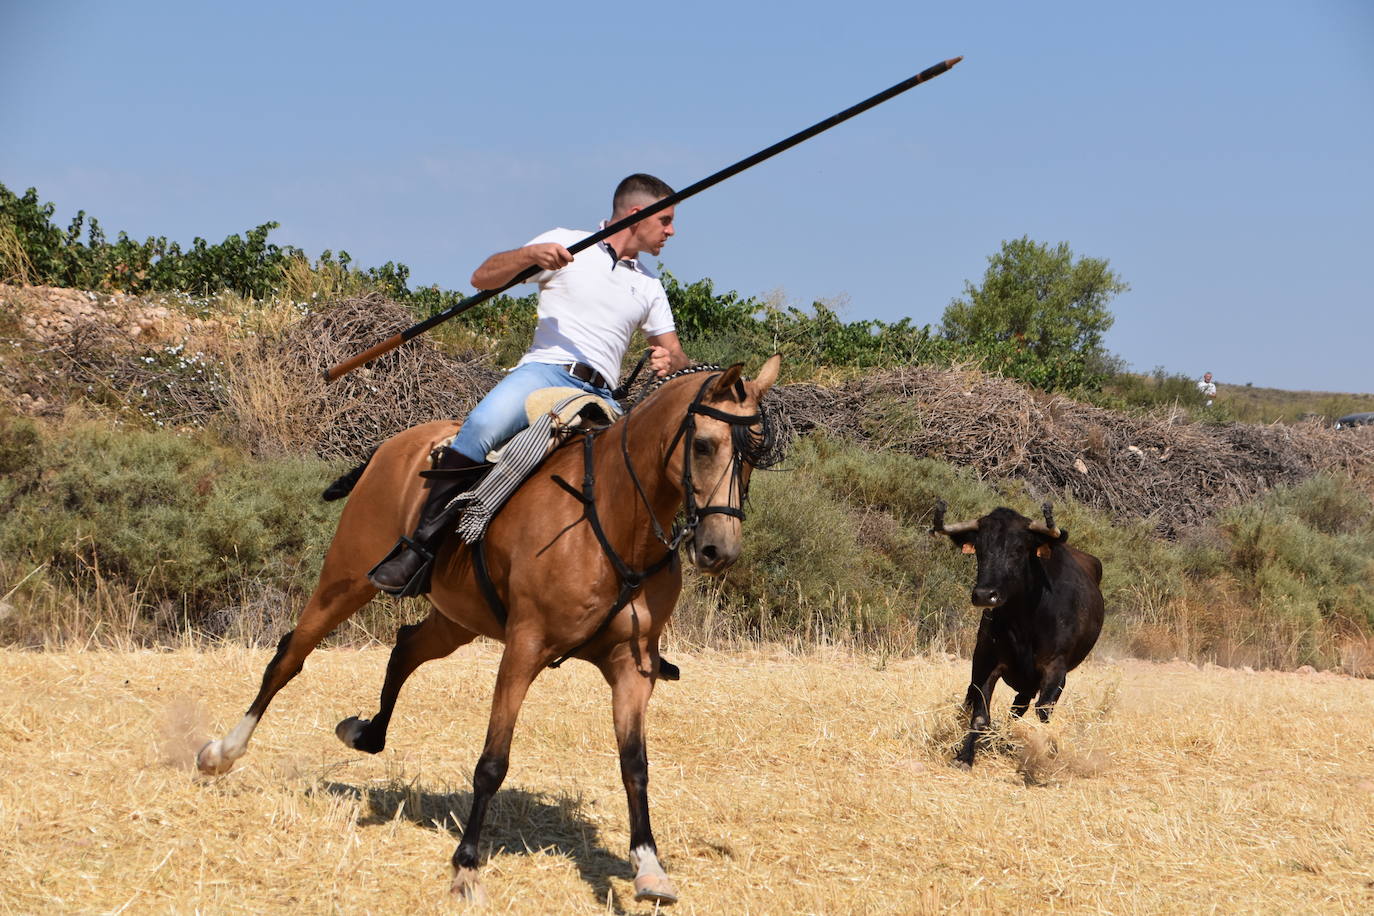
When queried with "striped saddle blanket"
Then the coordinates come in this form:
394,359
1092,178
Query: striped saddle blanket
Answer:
553,414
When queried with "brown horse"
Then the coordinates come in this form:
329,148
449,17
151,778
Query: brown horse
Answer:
585,572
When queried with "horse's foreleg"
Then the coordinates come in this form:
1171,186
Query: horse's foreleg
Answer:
631,686
328,606
434,637
521,663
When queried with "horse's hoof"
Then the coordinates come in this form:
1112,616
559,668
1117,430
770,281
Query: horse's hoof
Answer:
468,887
965,765
657,888
350,730
210,759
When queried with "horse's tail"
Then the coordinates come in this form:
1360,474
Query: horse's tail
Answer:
344,485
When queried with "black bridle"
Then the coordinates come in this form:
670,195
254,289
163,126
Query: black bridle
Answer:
758,449
741,446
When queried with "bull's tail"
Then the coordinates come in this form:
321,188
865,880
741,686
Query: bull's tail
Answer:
344,485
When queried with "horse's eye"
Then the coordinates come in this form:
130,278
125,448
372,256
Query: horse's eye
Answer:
703,447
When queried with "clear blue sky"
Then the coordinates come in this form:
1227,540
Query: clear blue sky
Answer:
1219,155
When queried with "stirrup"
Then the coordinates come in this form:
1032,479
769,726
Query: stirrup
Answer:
418,584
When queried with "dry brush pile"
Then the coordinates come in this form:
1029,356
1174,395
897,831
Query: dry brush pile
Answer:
415,383
258,380
1150,466
255,376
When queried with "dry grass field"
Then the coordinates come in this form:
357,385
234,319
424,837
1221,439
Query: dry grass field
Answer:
780,784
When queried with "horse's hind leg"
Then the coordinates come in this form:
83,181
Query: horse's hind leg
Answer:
434,637
631,687
329,606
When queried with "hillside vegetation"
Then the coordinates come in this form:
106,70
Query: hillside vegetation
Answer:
163,451
1236,401
168,481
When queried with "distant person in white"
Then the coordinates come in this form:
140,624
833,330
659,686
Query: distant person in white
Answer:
589,308
1207,388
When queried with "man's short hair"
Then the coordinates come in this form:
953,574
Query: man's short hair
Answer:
636,189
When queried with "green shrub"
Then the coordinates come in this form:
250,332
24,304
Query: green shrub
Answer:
803,568
1306,553
839,547
19,447
183,522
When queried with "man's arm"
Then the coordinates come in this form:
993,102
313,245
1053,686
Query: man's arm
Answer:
497,270
667,357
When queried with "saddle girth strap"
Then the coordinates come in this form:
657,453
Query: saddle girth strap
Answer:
484,583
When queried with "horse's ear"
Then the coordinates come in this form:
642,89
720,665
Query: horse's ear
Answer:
769,373
727,381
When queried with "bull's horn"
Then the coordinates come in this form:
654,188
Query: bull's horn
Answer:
938,525
1049,527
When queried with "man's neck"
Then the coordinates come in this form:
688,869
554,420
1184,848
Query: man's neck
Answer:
622,243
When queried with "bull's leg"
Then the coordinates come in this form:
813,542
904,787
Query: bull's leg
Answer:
335,599
523,660
434,637
631,686
1021,703
986,670
1051,686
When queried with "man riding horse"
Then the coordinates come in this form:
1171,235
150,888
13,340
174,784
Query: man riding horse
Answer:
589,307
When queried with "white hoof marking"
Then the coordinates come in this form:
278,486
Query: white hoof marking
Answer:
651,881
467,886
210,760
217,757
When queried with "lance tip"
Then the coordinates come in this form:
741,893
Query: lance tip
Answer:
954,60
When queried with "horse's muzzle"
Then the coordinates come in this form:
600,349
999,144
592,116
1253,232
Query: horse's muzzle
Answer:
712,555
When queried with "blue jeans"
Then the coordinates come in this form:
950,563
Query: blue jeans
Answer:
501,414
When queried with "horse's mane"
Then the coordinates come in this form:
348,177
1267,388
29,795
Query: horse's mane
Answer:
655,384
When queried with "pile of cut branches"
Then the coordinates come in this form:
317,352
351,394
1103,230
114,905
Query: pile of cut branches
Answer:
259,385
414,383
1151,466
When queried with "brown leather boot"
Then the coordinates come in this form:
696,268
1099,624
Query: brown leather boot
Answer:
404,571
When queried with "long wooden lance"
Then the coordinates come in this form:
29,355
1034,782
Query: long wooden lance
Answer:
396,340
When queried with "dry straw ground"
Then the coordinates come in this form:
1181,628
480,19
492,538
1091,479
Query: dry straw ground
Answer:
780,784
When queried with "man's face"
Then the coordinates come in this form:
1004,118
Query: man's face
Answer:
653,232
1207,377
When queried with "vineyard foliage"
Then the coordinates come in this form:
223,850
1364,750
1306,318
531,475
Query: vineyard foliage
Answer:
1055,346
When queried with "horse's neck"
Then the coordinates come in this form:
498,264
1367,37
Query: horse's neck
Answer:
648,433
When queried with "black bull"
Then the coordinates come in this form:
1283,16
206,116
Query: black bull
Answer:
1042,611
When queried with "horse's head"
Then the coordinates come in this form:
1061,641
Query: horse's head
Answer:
724,436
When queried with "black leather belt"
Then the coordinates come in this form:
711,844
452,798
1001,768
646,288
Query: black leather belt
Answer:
587,374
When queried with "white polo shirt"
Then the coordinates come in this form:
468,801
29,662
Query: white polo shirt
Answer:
589,310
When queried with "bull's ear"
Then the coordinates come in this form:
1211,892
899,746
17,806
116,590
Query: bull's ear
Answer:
726,381
967,547
1043,551
769,373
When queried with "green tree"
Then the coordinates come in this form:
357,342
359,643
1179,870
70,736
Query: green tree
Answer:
1039,315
